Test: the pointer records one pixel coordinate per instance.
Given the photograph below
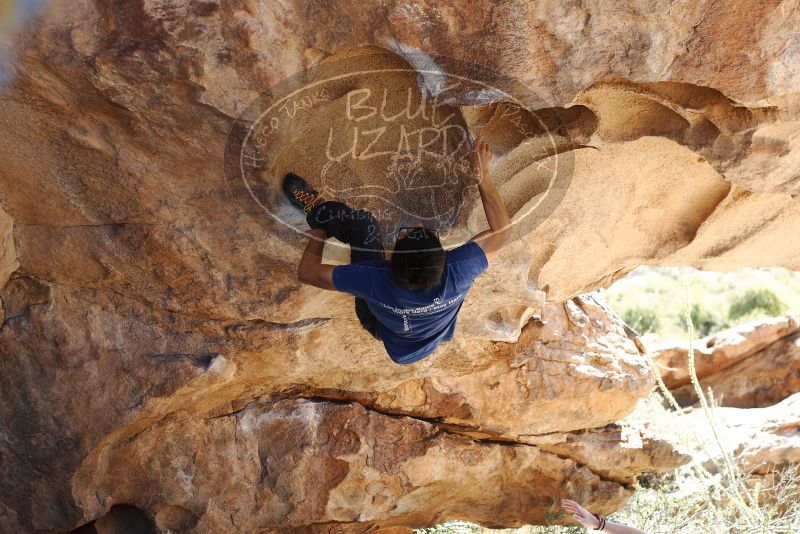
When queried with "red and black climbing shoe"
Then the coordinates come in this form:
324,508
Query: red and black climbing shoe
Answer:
300,194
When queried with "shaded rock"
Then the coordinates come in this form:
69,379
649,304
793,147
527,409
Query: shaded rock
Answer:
752,365
770,161
753,146
298,463
719,350
762,379
124,519
617,452
149,305
8,519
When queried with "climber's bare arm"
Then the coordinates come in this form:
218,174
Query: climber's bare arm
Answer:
499,233
311,270
585,518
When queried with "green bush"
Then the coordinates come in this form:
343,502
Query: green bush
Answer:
641,319
756,302
705,320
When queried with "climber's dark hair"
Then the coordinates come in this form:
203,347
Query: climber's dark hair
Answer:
418,260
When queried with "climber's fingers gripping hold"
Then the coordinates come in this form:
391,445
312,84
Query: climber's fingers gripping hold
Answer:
480,157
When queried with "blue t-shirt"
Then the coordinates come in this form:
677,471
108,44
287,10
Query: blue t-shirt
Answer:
412,323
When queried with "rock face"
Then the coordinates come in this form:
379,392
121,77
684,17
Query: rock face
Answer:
296,462
750,366
158,356
576,339
764,440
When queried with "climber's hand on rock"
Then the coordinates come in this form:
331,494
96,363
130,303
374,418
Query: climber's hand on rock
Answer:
480,157
579,513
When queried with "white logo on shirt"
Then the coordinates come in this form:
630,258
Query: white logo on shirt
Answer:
437,305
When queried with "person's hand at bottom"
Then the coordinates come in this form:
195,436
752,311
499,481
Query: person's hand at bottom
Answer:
579,513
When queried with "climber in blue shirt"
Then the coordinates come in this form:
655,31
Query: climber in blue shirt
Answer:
410,302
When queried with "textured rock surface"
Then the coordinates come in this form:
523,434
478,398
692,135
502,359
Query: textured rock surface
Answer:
576,340
8,256
753,365
157,349
298,462
766,377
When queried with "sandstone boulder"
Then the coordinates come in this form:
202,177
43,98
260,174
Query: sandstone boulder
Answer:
764,440
515,394
159,353
297,462
765,378
753,365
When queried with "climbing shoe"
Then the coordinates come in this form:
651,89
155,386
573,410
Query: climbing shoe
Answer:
300,194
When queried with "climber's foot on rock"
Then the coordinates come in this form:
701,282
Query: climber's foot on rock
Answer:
300,194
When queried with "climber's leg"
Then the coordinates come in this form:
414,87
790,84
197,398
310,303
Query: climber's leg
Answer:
360,230
357,228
